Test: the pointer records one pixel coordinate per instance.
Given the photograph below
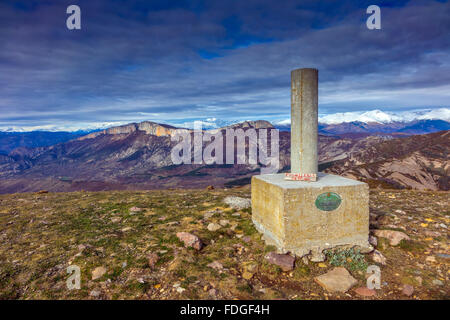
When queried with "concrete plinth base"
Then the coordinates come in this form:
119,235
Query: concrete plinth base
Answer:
288,215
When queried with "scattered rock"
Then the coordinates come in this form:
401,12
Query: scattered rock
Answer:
212,292
249,270
238,203
190,240
338,279
419,280
430,259
214,226
210,188
434,234
284,261
95,293
317,255
373,241
135,210
98,273
215,265
305,260
365,292
437,282
126,229
152,259
209,214
247,239
224,223
180,290
408,290
443,255
378,257
394,237
42,192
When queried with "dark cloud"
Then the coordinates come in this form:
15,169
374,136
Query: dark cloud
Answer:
176,60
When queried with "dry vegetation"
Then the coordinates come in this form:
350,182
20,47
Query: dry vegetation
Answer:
41,234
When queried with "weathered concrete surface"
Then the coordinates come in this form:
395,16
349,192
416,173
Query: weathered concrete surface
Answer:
286,214
304,120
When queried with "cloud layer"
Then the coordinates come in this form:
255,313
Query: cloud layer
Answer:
190,60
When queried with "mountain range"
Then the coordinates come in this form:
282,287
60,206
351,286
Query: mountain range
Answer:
137,156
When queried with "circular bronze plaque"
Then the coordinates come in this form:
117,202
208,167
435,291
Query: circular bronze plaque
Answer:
328,201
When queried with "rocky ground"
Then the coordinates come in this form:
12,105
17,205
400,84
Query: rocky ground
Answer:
190,244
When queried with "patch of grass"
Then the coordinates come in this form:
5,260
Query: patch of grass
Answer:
301,270
245,288
269,248
411,245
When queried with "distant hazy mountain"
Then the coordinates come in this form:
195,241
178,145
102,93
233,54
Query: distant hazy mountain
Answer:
12,140
376,121
407,128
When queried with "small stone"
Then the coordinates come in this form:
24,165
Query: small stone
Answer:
238,203
213,227
210,188
378,257
430,259
247,239
98,273
408,290
317,255
180,290
95,293
394,237
365,292
338,279
152,259
419,280
443,255
373,241
126,229
224,223
190,240
124,264
215,265
433,234
209,214
442,225
135,210
284,261
250,266
305,260
437,282
212,292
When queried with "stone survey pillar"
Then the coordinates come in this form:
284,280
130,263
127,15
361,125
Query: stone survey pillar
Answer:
304,123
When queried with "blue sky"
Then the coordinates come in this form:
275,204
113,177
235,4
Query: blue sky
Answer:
178,61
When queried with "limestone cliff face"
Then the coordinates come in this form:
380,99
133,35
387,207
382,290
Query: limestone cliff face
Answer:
259,124
151,128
